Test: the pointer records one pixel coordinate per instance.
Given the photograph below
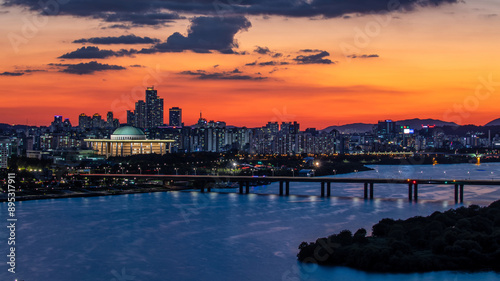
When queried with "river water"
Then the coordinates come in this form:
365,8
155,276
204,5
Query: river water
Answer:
222,236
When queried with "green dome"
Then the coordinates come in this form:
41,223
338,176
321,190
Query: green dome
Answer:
129,131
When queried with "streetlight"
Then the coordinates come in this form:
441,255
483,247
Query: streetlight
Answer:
176,169
194,171
334,172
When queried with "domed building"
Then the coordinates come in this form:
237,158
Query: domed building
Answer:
128,133
128,140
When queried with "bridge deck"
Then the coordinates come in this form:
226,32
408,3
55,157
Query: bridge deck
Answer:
284,186
297,179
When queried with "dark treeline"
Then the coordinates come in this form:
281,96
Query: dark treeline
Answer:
457,239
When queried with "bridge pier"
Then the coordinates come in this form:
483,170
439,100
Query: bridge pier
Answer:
247,187
281,187
328,189
366,190
456,193
371,190
415,191
461,193
322,189
241,187
410,191
287,188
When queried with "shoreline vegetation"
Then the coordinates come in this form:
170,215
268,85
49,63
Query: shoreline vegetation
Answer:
464,239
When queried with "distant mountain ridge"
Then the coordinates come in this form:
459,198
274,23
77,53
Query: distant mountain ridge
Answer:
415,123
495,122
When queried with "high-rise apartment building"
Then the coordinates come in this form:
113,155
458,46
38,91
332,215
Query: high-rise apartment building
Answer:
149,113
84,121
175,117
97,121
140,117
154,108
5,150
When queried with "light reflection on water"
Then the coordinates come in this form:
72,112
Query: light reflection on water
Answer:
211,236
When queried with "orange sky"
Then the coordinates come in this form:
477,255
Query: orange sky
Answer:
432,63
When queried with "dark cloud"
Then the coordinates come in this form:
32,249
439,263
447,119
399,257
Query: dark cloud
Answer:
33,70
6,73
310,51
206,34
20,72
225,75
92,52
363,56
152,12
252,63
138,19
262,50
266,63
266,51
135,12
136,65
124,39
276,69
86,68
314,59
120,26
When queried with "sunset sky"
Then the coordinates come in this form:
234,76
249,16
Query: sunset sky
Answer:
317,62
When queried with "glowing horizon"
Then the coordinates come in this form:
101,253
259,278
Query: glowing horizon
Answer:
434,62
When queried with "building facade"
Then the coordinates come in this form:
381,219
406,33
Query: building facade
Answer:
127,141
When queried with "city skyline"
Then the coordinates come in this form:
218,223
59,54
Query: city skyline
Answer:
321,64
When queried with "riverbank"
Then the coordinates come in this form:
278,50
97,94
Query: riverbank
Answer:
63,194
457,239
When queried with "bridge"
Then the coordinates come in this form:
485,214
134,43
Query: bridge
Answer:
203,182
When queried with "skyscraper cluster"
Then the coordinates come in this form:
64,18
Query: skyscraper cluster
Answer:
148,113
96,121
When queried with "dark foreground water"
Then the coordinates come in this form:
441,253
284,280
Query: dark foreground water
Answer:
215,236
